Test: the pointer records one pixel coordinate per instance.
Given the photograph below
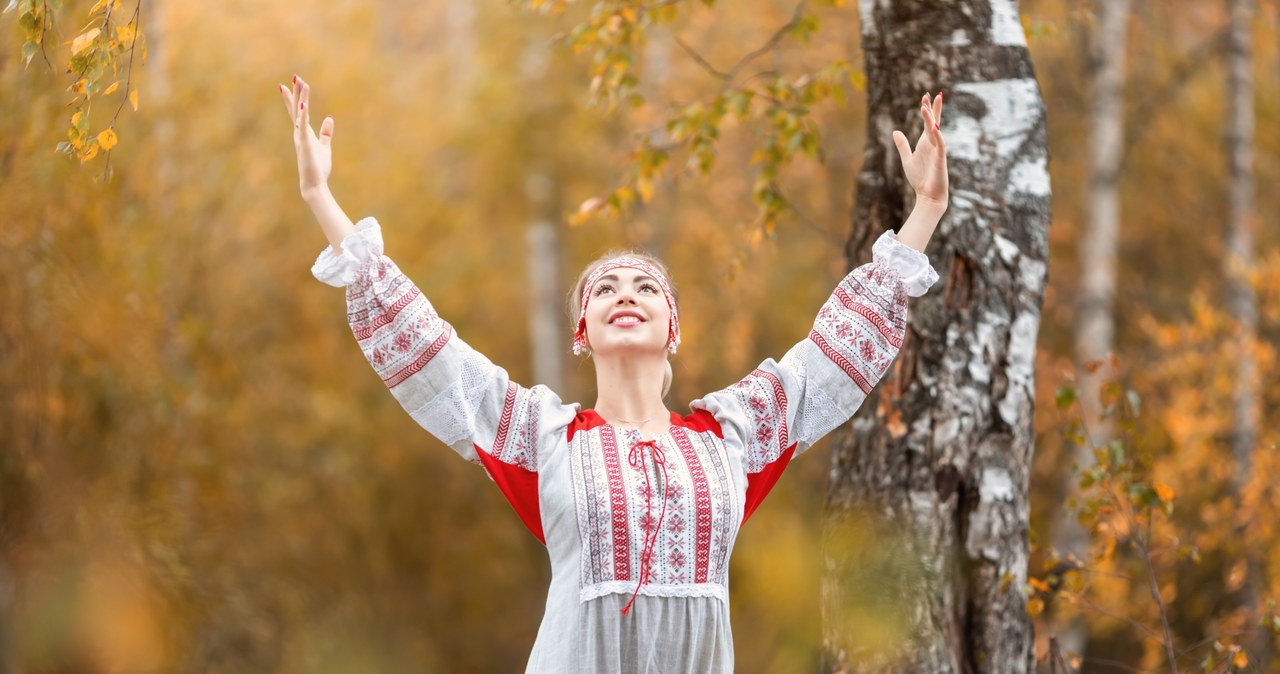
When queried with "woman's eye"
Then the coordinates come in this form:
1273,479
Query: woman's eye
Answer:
649,288
600,290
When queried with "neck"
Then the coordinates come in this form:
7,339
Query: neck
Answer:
629,388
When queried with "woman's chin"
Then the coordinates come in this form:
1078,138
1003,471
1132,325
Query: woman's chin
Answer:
626,347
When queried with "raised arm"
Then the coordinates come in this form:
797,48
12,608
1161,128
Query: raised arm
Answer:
315,163
783,407
447,387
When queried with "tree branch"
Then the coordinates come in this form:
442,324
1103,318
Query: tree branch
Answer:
730,74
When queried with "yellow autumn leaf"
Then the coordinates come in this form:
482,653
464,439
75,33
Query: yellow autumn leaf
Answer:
125,34
75,119
1035,606
1240,660
1038,585
1164,492
84,41
98,5
645,188
89,154
111,89
108,139
133,99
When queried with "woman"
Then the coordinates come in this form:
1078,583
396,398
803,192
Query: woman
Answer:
638,506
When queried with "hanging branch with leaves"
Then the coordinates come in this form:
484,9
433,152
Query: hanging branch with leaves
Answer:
778,103
97,54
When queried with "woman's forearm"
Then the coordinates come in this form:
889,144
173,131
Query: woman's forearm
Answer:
918,228
333,220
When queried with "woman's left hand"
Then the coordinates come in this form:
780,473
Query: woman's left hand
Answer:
926,168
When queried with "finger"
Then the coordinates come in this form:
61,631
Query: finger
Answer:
937,108
924,117
287,96
904,147
304,104
295,96
326,130
930,124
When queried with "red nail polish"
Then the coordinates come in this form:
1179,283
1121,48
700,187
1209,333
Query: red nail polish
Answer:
303,106
937,127
295,78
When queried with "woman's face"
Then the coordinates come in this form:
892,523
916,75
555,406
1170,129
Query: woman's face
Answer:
627,311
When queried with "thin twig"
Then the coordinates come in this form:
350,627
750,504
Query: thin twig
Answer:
706,65
46,19
1150,633
1208,640
805,219
728,75
1110,663
1155,593
128,78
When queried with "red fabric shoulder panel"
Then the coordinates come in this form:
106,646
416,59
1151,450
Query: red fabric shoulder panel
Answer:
760,484
699,421
520,486
585,421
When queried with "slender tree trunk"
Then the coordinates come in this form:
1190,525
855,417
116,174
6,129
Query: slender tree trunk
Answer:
1095,330
1241,300
548,338
943,448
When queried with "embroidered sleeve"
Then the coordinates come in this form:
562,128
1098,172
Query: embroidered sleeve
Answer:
451,390
784,407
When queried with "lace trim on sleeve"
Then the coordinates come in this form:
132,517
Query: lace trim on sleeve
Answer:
358,248
913,265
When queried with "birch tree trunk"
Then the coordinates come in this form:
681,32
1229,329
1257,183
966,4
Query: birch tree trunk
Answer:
1241,300
943,447
547,335
1095,330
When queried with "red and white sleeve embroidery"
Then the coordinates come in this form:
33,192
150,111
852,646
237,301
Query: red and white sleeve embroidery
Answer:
861,326
450,389
762,401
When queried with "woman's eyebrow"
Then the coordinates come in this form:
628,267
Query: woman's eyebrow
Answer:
614,277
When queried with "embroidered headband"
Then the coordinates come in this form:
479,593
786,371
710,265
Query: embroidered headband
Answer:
673,328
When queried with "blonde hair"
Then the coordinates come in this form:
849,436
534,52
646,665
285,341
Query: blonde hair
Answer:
574,303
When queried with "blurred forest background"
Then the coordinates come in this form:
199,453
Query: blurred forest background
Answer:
200,473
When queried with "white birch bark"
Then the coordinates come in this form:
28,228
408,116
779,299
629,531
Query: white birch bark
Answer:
1095,330
1241,300
943,447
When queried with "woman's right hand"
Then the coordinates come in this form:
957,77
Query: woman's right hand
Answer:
315,158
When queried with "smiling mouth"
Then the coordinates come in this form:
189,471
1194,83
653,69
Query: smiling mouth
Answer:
626,320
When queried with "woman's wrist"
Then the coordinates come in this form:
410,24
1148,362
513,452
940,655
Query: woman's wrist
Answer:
333,220
931,205
924,218
316,193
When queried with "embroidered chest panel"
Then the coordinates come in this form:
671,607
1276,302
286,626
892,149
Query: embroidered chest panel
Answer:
670,503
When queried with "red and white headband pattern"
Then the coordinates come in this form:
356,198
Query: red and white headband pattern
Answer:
673,328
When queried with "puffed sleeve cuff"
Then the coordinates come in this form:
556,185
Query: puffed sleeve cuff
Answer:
358,248
917,273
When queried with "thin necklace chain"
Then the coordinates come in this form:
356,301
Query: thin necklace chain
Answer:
636,423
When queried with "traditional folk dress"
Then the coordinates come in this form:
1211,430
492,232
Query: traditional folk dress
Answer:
645,526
